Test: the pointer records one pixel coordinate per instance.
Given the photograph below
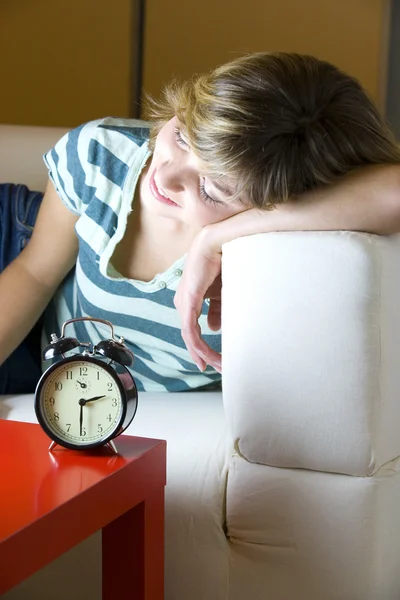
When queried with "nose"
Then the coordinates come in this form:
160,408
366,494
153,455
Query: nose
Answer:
177,175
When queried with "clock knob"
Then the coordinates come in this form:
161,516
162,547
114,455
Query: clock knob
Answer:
115,351
59,346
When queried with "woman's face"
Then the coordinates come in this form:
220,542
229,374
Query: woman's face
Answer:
174,187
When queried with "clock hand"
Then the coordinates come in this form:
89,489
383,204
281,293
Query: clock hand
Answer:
83,401
80,420
81,383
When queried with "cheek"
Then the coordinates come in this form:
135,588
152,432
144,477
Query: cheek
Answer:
159,143
207,214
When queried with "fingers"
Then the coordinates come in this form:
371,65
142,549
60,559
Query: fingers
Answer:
208,356
200,352
214,314
201,278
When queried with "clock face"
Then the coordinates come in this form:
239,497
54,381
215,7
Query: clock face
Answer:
80,402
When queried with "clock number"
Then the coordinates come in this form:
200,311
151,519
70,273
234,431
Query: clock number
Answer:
99,428
114,402
109,386
58,386
109,418
83,370
68,426
56,416
98,375
83,432
69,374
52,401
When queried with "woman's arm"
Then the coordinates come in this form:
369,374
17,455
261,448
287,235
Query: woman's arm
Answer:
29,282
366,200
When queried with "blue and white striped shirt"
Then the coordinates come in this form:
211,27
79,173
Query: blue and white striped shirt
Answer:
95,169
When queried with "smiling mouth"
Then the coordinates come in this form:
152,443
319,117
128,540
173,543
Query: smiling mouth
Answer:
158,194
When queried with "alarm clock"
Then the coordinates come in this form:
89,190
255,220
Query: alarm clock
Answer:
88,398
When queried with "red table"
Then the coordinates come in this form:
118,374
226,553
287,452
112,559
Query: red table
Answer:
51,501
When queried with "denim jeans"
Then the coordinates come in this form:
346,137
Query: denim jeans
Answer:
18,211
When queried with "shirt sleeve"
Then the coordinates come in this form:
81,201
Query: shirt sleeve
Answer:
92,161
71,166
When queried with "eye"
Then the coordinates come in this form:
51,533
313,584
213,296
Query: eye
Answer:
208,198
179,139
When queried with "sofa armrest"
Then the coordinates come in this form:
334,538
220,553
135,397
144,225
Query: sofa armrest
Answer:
311,331
21,151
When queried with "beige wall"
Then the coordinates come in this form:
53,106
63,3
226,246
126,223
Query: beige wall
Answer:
63,63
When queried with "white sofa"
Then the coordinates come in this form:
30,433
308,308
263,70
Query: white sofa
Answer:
286,486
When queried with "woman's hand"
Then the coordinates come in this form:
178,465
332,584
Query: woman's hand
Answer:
201,279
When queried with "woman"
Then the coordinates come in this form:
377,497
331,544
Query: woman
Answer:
135,214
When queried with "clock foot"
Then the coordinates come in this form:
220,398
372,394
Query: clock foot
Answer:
52,445
112,447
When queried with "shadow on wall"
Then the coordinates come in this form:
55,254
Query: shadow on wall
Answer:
393,85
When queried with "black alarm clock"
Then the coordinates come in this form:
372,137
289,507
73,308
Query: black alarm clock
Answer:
88,398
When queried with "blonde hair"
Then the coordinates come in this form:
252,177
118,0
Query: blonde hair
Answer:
278,124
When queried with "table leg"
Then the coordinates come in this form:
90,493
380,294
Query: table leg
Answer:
133,552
